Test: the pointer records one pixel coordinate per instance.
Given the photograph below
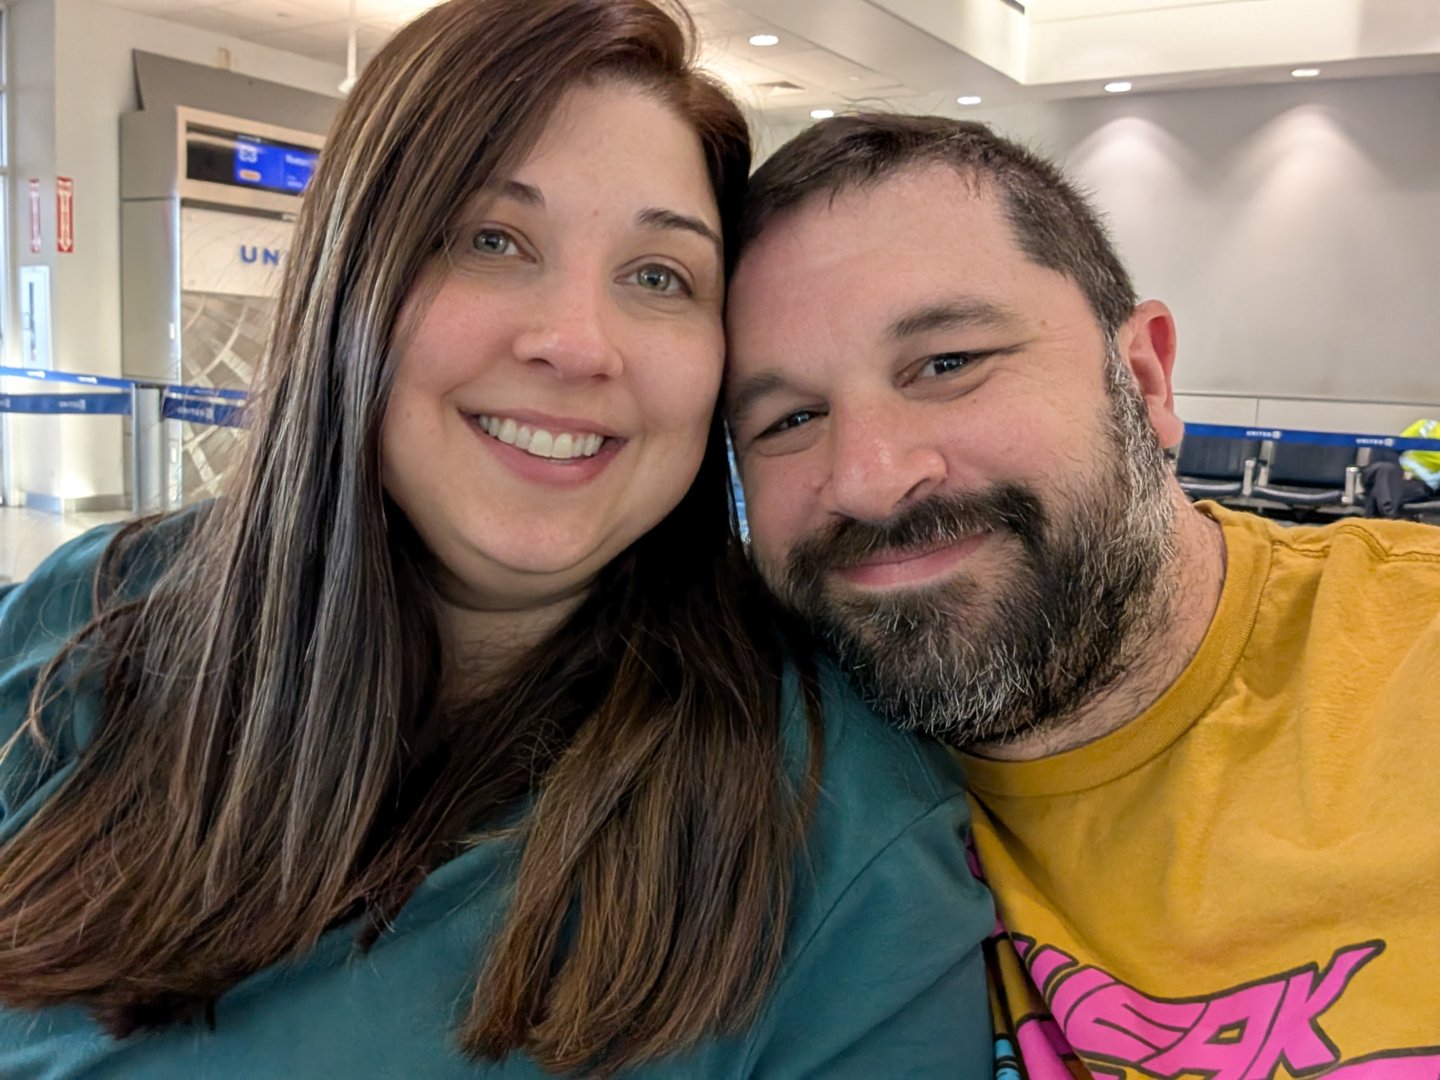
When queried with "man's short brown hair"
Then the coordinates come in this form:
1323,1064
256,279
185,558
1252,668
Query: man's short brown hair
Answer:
1054,224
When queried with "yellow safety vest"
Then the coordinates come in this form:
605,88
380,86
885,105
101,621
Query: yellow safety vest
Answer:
1424,464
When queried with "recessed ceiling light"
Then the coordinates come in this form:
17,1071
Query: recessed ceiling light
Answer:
968,99
1117,87
764,41
821,114
1305,73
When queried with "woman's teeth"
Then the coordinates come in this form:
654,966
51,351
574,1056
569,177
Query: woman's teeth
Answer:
539,442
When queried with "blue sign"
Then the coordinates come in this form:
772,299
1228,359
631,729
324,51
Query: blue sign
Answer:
273,166
198,411
1314,438
253,253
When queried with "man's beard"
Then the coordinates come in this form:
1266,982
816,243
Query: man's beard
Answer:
1060,629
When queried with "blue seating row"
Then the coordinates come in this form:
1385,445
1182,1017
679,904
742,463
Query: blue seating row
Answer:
1281,478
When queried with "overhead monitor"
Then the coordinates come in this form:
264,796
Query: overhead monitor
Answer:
249,161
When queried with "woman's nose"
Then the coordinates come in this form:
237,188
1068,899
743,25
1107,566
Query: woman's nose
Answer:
573,329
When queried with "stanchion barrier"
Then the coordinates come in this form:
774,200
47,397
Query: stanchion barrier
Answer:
149,493
177,389
147,403
1317,438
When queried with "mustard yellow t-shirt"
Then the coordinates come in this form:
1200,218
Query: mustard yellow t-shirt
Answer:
1244,882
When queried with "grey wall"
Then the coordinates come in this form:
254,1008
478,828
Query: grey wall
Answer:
72,75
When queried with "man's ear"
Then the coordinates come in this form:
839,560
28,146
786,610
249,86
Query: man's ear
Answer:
1147,346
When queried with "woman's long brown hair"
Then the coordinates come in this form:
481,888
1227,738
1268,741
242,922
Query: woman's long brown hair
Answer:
277,756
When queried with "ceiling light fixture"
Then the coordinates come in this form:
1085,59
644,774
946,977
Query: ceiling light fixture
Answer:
1305,73
968,99
821,114
1117,87
764,41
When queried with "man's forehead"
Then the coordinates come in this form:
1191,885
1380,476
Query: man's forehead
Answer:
872,255
911,198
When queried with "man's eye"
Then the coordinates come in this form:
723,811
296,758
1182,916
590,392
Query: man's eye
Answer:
946,364
661,279
791,421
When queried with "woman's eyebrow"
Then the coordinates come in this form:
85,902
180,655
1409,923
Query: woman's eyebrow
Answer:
525,193
655,217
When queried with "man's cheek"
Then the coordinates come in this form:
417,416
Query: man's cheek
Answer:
769,547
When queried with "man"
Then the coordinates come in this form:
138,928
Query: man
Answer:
1204,750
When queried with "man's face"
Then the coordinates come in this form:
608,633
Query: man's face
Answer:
949,472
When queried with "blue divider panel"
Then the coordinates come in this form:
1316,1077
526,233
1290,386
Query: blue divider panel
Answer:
73,404
43,375
193,404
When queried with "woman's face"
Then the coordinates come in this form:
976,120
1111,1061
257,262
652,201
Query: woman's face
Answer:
558,370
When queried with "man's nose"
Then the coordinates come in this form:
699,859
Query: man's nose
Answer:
574,328
881,462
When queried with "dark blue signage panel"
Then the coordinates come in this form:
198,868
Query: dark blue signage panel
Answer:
272,166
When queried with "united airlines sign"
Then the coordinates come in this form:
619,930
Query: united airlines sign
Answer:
230,253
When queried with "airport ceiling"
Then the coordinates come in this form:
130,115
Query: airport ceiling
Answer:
925,54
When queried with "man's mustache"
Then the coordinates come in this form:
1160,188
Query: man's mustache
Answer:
938,520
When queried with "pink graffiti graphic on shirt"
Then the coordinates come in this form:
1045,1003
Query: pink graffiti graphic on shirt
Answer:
1245,1033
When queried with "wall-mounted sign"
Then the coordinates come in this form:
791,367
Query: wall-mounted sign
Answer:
64,215
36,242
35,316
232,254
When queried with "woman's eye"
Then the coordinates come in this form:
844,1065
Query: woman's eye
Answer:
661,279
492,242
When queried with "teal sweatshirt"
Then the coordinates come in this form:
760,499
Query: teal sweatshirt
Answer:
883,976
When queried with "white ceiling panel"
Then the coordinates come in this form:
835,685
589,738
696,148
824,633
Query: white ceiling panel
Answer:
1051,10
843,79
924,51
224,19
159,8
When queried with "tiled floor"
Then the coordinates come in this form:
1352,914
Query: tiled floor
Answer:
28,536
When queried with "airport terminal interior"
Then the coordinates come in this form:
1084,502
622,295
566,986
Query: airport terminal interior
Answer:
1269,168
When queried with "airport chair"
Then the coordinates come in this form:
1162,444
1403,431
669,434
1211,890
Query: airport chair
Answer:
1304,476
1427,510
1216,467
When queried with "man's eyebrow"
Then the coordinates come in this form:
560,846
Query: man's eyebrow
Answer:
655,217
749,391
951,315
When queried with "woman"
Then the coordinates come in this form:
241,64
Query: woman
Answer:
450,742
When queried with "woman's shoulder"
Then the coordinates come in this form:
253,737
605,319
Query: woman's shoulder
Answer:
876,780
884,973
57,599
38,616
